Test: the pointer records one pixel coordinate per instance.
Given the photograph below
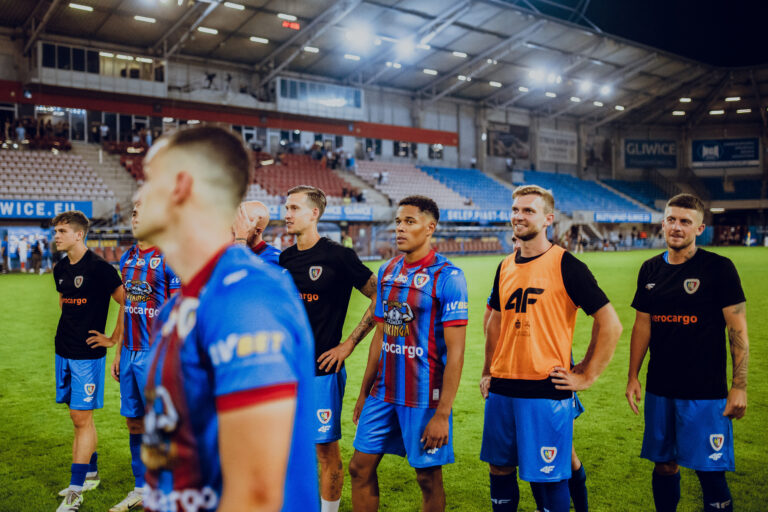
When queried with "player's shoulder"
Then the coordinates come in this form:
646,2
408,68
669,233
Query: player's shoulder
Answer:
128,254
653,262
239,271
444,265
96,261
713,258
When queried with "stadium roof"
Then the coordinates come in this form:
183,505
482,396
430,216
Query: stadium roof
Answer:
493,52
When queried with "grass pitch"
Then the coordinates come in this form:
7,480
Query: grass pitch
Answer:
37,433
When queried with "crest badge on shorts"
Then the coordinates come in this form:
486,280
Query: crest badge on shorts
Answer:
419,280
154,262
691,285
548,453
314,272
90,388
324,415
78,281
717,441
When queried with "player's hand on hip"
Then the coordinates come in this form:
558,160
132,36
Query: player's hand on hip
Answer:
436,432
358,409
569,380
736,405
335,356
485,385
114,369
634,394
99,340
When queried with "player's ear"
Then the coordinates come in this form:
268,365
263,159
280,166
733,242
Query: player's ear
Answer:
182,188
700,229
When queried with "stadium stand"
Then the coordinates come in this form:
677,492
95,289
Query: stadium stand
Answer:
484,191
45,175
734,189
406,179
644,191
572,193
448,246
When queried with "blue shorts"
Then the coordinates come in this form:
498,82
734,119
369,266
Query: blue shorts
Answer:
694,433
535,434
578,407
397,429
80,383
133,378
329,394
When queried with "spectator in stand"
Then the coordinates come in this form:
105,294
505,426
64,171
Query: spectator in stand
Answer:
23,248
104,132
48,128
135,136
4,252
384,177
46,255
37,257
20,132
379,177
116,215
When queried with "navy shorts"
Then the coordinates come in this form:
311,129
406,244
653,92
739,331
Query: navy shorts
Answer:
694,433
329,394
80,383
397,429
535,434
133,377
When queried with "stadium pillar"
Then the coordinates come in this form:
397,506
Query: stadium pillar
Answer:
617,153
581,140
481,128
533,139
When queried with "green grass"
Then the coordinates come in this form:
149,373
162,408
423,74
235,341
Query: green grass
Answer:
37,433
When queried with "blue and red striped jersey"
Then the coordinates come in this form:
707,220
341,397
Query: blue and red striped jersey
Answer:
148,283
267,252
236,335
415,302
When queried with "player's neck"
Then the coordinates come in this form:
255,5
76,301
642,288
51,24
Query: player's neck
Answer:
678,256
256,242
143,246
192,245
536,246
419,254
307,239
76,253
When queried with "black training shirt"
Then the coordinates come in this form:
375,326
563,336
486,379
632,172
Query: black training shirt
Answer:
86,288
685,303
325,275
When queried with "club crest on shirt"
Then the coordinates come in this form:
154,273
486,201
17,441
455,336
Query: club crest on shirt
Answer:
314,272
419,280
548,453
324,415
138,291
78,281
691,285
154,262
140,262
717,441
90,388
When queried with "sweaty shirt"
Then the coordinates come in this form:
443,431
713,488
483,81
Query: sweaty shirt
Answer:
685,303
325,275
86,288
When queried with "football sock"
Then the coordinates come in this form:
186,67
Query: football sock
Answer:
538,496
666,491
577,485
505,494
137,467
78,477
717,496
93,466
555,495
329,506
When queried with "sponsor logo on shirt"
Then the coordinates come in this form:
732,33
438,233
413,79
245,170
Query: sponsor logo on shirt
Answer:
154,262
309,297
522,298
397,315
181,500
385,279
73,301
315,272
141,310
691,285
140,262
78,281
401,279
244,345
548,453
547,469
717,441
324,415
409,352
675,319
457,305
138,291
419,280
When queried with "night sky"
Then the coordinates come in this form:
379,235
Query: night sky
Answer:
716,32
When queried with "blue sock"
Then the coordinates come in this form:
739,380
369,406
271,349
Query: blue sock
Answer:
505,494
578,487
93,466
78,475
666,491
137,467
538,496
717,496
555,495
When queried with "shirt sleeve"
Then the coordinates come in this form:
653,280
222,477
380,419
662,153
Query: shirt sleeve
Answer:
640,301
581,285
378,310
357,273
111,278
729,290
56,273
252,344
172,281
494,302
454,299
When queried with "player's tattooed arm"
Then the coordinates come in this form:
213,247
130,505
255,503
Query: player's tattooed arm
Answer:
736,320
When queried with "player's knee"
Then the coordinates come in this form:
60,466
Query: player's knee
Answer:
667,468
135,425
328,454
81,419
501,470
429,479
359,470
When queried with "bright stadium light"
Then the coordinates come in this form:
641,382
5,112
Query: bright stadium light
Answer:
351,56
620,108
733,98
428,71
206,30
717,112
404,48
685,99
464,78
494,83
678,112
106,54
144,19
233,5
262,40
575,99
605,90
717,210
422,46
461,55
744,111
311,49
523,89
395,65
145,60
537,75
492,61
549,94
360,36
585,86
597,103
81,7
286,17
124,57
554,78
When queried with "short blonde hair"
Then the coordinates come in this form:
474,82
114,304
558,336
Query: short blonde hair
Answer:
535,190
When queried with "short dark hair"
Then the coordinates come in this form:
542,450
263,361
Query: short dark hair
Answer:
314,194
687,201
74,218
423,203
223,147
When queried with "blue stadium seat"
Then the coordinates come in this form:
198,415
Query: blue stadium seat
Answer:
485,192
643,191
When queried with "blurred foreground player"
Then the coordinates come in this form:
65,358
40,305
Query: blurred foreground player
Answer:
414,362
229,391
325,273
148,283
85,283
686,298
526,377
251,221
